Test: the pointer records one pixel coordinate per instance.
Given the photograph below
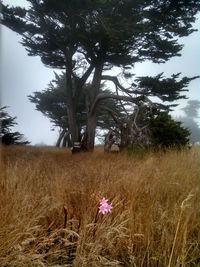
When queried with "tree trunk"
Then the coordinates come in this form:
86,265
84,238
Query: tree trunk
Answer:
92,115
72,124
91,130
71,109
61,135
64,143
109,141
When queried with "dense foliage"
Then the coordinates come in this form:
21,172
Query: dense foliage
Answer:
168,133
7,136
87,38
51,102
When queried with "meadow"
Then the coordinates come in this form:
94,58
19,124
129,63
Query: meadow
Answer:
49,208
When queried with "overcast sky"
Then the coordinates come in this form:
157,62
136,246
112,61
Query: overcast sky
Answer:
21,75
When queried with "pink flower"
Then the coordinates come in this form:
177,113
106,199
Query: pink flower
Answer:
105,207
103,201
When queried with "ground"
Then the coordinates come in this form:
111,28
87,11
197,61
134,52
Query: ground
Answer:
49,208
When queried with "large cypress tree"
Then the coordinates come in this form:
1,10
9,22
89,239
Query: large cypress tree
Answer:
52,103
88,37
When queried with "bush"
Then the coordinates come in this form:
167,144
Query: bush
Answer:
167,133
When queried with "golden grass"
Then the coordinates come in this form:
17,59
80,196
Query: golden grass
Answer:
49,201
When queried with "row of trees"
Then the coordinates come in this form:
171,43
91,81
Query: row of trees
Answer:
149,125
164,130
90,38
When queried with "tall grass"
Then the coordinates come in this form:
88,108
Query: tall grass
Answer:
49,201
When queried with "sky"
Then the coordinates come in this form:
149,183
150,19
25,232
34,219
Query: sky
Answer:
21,75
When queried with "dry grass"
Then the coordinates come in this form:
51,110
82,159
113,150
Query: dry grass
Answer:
49,201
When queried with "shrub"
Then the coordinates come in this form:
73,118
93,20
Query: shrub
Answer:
166,132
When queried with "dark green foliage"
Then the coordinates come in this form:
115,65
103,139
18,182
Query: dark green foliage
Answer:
115,32
168,133
166,89
7,136
87,37
52,103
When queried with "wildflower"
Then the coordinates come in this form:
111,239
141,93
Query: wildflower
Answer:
105,207
103,201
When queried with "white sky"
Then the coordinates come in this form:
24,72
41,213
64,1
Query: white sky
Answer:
21,75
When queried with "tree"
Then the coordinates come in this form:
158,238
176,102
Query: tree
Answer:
7,136
111,115
52,103
167,133
89,37
148,127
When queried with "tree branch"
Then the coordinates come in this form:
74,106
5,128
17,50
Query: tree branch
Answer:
117,84
113,114
81,81
121,100
85,76
102,96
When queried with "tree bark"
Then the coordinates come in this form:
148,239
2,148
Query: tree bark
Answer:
71,109
66,138
91,130
73,94
61,135
92,115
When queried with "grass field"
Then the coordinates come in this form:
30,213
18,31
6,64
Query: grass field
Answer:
49,208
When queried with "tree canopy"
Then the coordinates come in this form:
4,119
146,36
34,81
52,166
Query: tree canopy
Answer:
168,133
115,32
52,103
111,115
